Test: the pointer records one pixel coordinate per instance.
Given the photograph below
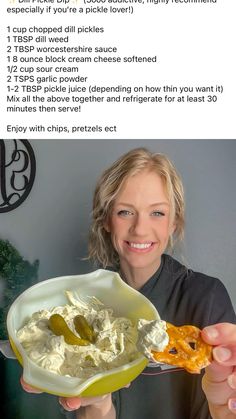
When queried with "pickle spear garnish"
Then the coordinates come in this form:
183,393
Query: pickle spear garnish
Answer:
59,327
84,329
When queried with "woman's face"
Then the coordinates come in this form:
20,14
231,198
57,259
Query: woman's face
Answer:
140,223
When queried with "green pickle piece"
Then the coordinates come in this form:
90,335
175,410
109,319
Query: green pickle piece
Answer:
84,329
59,326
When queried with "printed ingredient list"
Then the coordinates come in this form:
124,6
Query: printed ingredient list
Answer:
117,69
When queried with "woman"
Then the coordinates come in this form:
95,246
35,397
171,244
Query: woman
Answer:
138,213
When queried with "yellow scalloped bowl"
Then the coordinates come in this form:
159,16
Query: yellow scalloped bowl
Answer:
109,288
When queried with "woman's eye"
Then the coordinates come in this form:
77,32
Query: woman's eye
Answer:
158,214
124,213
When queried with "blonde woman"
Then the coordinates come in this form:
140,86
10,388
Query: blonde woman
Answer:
138,215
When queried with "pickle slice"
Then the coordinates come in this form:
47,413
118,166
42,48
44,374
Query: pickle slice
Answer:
84,329
59,327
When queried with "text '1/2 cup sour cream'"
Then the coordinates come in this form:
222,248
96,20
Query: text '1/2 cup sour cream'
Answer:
117,342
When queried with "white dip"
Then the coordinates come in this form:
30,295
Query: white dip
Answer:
152,335
117,340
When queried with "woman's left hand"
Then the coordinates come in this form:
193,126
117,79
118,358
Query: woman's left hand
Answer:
219,381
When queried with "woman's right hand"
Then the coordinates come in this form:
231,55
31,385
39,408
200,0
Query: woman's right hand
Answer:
28,388
91,407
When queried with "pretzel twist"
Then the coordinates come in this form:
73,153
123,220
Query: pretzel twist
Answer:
185,349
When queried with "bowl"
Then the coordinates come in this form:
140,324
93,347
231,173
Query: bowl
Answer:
114,293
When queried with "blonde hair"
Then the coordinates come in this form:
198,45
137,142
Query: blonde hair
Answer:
101,249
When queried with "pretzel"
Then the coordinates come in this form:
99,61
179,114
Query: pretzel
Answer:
185,349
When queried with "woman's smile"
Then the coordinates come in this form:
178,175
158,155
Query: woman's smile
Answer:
140,247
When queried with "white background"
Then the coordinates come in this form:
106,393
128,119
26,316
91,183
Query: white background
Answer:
195,46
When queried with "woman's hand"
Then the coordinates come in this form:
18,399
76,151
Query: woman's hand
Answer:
90,407
28,388
219,381
94,407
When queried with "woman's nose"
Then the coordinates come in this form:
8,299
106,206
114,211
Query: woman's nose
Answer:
139,226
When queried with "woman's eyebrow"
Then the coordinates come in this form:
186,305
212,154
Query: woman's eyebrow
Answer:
124,204
156,204
166,203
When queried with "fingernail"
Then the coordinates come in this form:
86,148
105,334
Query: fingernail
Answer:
232,381
73,404
232,404
211,332
222,354
69,405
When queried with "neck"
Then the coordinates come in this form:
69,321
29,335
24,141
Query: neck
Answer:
137,277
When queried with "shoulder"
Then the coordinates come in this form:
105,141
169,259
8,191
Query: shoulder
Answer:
188,276
199,293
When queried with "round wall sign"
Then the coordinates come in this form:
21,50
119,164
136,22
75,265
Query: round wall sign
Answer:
17,173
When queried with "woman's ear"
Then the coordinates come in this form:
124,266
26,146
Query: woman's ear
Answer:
172,228
106,225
